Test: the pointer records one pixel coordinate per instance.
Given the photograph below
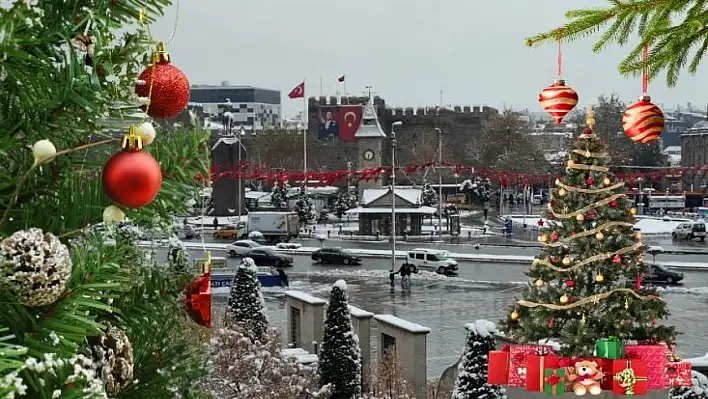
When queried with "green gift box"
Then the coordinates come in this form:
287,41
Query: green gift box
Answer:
554,382
609,348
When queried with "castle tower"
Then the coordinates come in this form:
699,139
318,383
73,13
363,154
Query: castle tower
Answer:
370,138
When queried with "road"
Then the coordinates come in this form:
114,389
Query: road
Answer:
475,271
490,247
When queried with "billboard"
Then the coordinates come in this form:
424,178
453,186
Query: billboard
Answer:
339,121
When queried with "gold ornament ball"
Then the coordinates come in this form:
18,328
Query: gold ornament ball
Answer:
633,211
606,181
539,283
599,278
514,315
566,261
558,182
638,235
599,236
580,217
562,192
543,238
564,299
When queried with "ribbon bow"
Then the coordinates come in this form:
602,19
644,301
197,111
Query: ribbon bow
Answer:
553,380
627,379
672,358
612,338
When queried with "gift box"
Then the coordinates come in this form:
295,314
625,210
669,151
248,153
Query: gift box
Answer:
655,357
554,381
629,377
609,348
679,374
535,368
518,357
498,367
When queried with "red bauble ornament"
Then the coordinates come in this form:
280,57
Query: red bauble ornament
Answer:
554,236
558,99
616,259
613,203
589,181
587,133
132,178
170,87
643,122
197,301
570,283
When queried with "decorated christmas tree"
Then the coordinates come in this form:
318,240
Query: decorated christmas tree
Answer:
340,356
279,194
472,372
304,207
246,304
586,284
84,313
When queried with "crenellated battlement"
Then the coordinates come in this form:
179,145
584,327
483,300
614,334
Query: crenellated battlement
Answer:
437,111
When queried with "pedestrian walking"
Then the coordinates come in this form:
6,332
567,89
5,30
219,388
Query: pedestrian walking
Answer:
216,223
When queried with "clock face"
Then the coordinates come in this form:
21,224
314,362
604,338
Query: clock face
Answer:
368,155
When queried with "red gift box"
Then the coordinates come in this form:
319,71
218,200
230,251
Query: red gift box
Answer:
518,357
629,377
498,367
535,368
655,357
679,374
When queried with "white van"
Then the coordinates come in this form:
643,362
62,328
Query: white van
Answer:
434,260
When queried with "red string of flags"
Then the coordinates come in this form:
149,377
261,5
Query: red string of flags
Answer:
249,171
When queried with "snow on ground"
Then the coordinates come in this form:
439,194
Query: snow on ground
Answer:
645,224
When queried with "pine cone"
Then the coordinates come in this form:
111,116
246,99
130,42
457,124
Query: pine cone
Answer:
113,359
35,266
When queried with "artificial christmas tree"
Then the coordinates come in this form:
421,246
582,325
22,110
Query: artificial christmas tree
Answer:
586,282
82,314
472,373
340,356
246,304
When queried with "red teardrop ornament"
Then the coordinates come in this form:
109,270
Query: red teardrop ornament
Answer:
558,99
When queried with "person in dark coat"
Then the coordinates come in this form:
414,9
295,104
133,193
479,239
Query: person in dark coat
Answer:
216,223
283,278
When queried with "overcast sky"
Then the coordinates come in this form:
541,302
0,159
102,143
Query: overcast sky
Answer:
409,50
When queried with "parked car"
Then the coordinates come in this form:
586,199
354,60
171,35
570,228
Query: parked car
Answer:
269,257
432,260
229,231
690,230
241,247
336,255
661,274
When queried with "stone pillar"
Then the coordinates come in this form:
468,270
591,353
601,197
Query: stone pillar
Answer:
225,190
361,324
305,320
409,343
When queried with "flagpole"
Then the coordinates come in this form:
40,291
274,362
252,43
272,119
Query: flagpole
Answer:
321,92
305,118
345,86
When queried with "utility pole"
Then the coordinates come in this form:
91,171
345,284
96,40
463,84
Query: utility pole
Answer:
393,193
440,180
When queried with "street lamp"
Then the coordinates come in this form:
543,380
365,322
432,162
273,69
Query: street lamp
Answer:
393,193
437,129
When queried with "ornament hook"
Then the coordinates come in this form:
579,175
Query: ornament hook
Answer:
132,141
161,54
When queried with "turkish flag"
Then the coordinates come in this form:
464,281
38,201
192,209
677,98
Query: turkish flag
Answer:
298,91
349,119
341,79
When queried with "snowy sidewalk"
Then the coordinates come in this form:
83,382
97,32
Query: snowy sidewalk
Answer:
385,254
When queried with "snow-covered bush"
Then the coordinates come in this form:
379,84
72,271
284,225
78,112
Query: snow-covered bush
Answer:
472,373
246,305
177,256
241,368
699,390
345,201
429,197
478,189
279,194
340,356
304,207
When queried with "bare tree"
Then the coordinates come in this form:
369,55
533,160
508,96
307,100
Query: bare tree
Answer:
388,379
279,149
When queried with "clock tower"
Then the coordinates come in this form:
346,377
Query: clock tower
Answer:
370,138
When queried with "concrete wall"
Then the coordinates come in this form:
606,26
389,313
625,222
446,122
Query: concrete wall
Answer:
410,348
311,320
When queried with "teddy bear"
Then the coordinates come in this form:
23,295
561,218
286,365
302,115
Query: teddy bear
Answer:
585,376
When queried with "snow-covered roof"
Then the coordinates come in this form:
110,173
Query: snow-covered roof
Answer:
411,195
324,190
256,194
427,210
305,297
360,313
369,126
401,324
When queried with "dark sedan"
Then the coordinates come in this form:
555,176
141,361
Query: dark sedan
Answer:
269,257
662,275
336,255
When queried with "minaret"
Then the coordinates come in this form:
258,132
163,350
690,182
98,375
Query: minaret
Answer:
370,137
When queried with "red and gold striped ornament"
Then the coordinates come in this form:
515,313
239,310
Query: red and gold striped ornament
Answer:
643,122
558,99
